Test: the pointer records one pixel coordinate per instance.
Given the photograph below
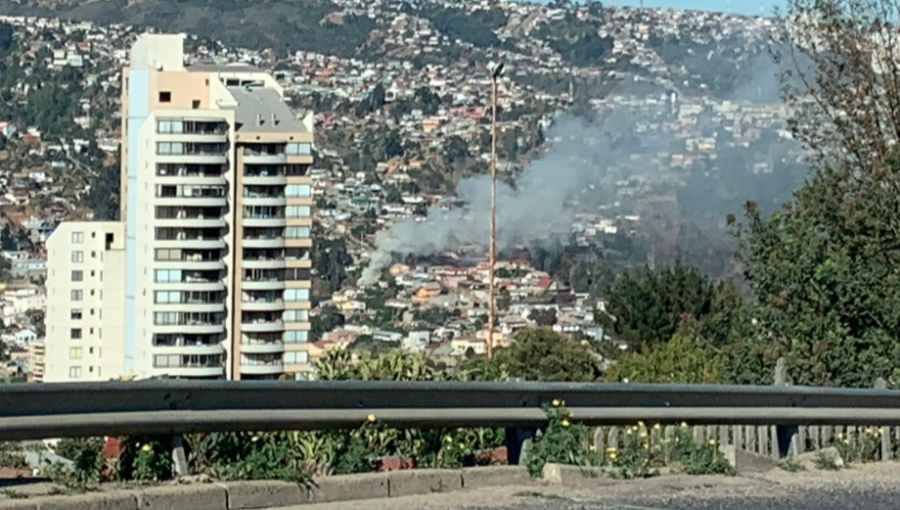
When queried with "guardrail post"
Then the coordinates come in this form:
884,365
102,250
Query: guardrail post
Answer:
179,459
786,440
886,449
517,441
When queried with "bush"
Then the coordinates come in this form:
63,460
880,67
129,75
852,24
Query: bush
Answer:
12,455
562,442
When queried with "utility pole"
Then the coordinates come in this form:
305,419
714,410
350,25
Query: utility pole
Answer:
496,70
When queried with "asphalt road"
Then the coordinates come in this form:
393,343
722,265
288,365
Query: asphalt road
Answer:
869,487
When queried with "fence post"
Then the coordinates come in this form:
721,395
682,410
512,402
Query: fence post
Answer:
886,449
786,441
179,459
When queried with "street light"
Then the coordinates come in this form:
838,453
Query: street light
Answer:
496,70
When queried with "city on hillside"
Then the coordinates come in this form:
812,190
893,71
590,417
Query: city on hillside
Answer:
306,201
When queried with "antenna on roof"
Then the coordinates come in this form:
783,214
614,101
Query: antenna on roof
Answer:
273,120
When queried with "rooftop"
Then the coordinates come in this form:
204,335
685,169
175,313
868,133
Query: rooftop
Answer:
263,105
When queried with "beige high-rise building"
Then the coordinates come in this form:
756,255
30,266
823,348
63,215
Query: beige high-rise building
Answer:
216,208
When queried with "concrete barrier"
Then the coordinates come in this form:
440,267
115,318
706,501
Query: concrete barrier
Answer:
183,497
264,494
495,476
258,495
424,481
116,500
332,489
575,476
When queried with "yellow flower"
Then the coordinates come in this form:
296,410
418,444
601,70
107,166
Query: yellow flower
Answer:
448,439
840,436
870,431
657,426
146,448
564,423
646,446
556,402
592,448
370,418
612,456
462,446
254,439
641,424
712,441
628,431
684,424
642,434
611,449
881,430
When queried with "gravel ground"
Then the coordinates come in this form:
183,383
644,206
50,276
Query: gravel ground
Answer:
869,487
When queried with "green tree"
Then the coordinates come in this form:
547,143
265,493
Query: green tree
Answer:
7,241
683,359
330,258
648,308
824,269
6,38
540,354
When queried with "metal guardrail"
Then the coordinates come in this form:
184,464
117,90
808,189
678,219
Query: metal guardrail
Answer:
36,411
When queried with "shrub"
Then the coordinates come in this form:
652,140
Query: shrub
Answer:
12,455
561,441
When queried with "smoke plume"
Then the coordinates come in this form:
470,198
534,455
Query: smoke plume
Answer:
534,208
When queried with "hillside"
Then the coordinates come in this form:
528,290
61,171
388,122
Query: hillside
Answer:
719,57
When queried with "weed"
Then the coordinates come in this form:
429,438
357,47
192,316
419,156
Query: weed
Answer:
562,441
825,462
13,494
791,465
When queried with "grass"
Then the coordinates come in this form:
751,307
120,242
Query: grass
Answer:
825,462
13,494
791,465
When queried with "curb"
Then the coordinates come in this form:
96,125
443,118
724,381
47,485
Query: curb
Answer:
259,495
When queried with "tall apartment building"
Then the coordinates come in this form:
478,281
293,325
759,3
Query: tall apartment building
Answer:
216,215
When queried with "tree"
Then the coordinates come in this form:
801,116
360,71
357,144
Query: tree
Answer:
540,354
7,241
378,97
328,319
543,317
683,359
648,308
823,269
6,38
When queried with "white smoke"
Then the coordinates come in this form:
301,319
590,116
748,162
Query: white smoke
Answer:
535,208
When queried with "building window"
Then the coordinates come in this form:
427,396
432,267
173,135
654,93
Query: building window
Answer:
292,358
296,295
168,275
296,232
75,353
170,126
298,149
297,190
195,104
296,316
169,148
165,97
77,257
74,372
297,211
167,296
77,237
296,337
77,294
75,314
75,334
78,276
168,254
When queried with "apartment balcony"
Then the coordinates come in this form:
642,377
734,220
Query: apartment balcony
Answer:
197,158
189,371
262,326
199,201
189,329
274,201
187,350
195,306
264,221
264,180
192,265
211,136
200,243
263,284
263,158
262,242
198,285
262,305
263,368
191,222
262,263
260,347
